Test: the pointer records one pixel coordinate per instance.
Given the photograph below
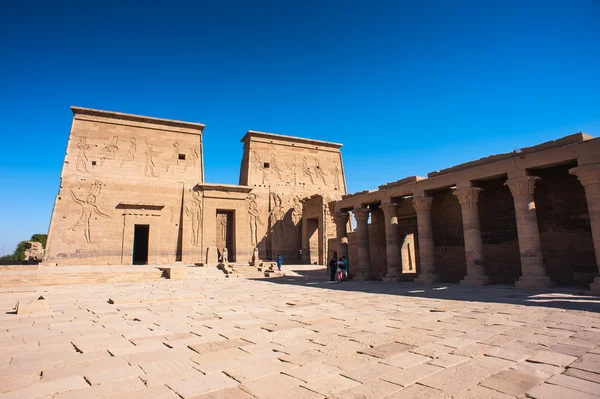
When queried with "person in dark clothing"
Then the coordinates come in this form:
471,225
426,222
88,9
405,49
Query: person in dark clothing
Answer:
332,268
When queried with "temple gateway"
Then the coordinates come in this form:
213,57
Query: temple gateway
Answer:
133,192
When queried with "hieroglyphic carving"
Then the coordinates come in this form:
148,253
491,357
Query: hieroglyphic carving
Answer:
254,219
82,158
150,165
320,173
194,212
259,167
110,149
306,172
293,167
88,207
174,159
275,168
276,220
336,178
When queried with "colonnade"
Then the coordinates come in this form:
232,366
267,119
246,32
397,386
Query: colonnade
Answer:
533,273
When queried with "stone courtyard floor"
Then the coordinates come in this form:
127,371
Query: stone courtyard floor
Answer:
298,336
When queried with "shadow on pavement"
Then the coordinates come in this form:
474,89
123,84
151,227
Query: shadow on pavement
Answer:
558,297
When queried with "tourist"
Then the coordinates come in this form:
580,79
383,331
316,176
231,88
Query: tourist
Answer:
347,269
340,270
332,268
279,262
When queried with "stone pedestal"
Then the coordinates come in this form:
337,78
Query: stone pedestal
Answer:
426,247
530,247
362,241
589,176
469,202
212,256
392,249
341,223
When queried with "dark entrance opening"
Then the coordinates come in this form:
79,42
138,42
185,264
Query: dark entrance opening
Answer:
226,233
141,234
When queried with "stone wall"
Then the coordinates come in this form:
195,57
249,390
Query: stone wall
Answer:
564,225
448,236
499,231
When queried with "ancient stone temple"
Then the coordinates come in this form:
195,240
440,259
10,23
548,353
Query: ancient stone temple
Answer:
530,217
133,192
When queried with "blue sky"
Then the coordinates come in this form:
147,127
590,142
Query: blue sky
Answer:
406,86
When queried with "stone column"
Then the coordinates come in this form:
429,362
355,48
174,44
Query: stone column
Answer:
392,249
533,273
469,202
341,223
362,240
426,247
589,176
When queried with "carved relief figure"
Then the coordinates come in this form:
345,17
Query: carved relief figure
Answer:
320,174
88,207
195,154
110,149
259,166
306,170
194,212
254,219
150,165
82,158
276,220
297,210
336,178
132,149
174,161
275,168
293,168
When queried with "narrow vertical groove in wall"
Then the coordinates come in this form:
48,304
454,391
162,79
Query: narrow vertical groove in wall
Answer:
179,252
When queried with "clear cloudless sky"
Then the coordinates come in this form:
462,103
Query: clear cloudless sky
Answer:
407,86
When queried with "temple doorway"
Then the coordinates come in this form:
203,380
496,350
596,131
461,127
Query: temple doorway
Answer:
225,233
141,236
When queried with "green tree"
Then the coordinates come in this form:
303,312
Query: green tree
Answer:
41,238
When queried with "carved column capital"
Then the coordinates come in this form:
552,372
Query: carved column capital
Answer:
341,217
361,214
520,186
587,174
422,204
389,211
468,197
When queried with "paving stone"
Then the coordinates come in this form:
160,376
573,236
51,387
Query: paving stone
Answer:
419,392
97,377
584,375
552,358
229,393
18,381
433,350
217,346
448,360
549,391
202,385
473,350
104,390
575,383
387,350
253,369
511,382
372,390
406,360
479,392
83,369
412,374
463,376
588,362
502,353
46,388
279,387
304,358
312,371
369,372
571,350
162,392
329,385
350,362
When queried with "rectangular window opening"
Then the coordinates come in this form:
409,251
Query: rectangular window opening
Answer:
182,157
93,163
266,165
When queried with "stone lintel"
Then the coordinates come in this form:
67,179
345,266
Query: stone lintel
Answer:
80,111
273,136
224,187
